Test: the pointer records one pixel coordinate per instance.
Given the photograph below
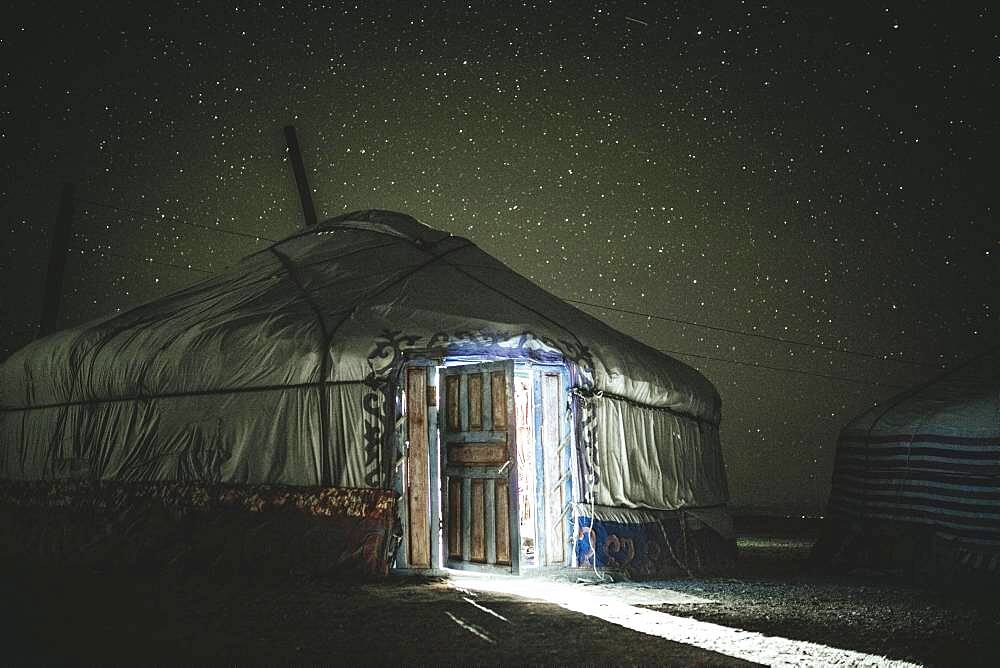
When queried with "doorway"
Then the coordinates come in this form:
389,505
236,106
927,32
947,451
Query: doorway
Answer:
487,482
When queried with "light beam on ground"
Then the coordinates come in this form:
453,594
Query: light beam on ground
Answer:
609,605
471,628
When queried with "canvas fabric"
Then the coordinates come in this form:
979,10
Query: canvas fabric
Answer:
281,371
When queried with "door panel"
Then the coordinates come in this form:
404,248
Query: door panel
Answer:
454,518
477,521
478,453
501,404
475,402
452,404
503,522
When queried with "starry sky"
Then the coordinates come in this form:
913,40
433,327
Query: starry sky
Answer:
798,201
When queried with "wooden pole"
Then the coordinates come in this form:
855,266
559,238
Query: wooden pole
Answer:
295,156
58,250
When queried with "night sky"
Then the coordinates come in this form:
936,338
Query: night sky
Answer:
822,176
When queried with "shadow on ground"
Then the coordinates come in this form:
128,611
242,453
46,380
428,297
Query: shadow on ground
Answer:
66,617
59,615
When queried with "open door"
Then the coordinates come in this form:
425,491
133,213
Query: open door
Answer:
478,451
553,443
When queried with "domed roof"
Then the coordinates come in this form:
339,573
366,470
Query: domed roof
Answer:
328,304
389,222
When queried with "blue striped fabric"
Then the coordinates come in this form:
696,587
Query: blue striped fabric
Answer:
927,459
948,482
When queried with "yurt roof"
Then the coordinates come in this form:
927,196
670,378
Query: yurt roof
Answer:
329,303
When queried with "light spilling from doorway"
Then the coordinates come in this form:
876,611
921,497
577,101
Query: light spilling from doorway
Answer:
485,470
618,604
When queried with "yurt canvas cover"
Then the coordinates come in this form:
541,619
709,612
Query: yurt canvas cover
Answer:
285,371
916,482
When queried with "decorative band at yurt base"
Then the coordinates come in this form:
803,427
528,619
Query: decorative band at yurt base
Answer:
199,526
653,543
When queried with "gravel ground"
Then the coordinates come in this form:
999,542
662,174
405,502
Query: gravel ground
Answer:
66,616
774,592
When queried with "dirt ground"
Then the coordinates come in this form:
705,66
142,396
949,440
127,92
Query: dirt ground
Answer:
67,616
70,618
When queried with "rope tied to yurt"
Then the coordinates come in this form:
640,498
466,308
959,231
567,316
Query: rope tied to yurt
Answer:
682,564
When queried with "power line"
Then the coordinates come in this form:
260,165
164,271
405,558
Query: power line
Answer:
143,260
600,306
158,218
781,368
767,337
718,359
672,352
730,330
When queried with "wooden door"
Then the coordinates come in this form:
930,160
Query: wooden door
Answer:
555,466
479,473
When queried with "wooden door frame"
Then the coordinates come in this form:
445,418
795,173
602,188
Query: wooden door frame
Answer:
402,436
417,481
436,445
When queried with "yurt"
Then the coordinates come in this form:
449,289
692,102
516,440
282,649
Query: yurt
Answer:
368,394
916,483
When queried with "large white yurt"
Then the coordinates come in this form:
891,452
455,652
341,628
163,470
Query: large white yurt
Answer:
437,408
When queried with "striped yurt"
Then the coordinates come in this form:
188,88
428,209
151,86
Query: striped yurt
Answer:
916,483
